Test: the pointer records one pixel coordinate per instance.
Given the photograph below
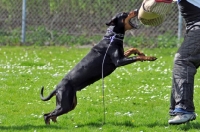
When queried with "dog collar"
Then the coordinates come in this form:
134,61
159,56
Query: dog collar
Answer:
112,36
116,34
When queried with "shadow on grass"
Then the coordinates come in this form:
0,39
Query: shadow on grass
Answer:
184,127
188,126
100,124
91,124
27,127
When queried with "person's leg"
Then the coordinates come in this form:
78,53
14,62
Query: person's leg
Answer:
183,81
186,62
172,102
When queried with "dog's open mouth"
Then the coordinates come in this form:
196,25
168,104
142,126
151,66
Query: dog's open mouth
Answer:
134,23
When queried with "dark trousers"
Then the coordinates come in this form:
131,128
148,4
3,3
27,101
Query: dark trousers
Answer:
186,62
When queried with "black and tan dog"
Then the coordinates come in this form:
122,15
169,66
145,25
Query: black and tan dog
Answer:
89,69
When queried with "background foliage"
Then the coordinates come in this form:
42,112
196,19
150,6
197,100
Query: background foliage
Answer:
69,22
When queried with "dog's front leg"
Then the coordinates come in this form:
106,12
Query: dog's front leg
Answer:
145,58
133,51
126,60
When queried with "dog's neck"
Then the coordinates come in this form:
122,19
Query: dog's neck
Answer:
111,33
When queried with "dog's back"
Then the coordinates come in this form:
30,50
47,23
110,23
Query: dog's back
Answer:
89,69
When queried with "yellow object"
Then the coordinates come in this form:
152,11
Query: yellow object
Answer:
153,13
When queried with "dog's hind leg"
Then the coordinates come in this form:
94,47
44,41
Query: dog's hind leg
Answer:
74,102
66,101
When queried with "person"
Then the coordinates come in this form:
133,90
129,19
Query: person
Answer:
186,60
186,63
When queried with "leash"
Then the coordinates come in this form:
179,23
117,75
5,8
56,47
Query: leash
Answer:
103,88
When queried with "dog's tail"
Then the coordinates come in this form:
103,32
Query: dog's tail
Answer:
49,96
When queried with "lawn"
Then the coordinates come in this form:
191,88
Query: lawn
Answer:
136,95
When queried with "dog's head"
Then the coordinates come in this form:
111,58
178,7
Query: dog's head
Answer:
123,21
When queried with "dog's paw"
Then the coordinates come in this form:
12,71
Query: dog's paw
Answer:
146,58
151,58
141,54
133,51
54,119
46,119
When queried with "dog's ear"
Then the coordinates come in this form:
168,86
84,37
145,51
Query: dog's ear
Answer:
112,22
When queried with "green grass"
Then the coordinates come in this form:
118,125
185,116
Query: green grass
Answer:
136,95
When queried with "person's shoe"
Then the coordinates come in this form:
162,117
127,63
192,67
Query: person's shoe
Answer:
172,113
182,118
